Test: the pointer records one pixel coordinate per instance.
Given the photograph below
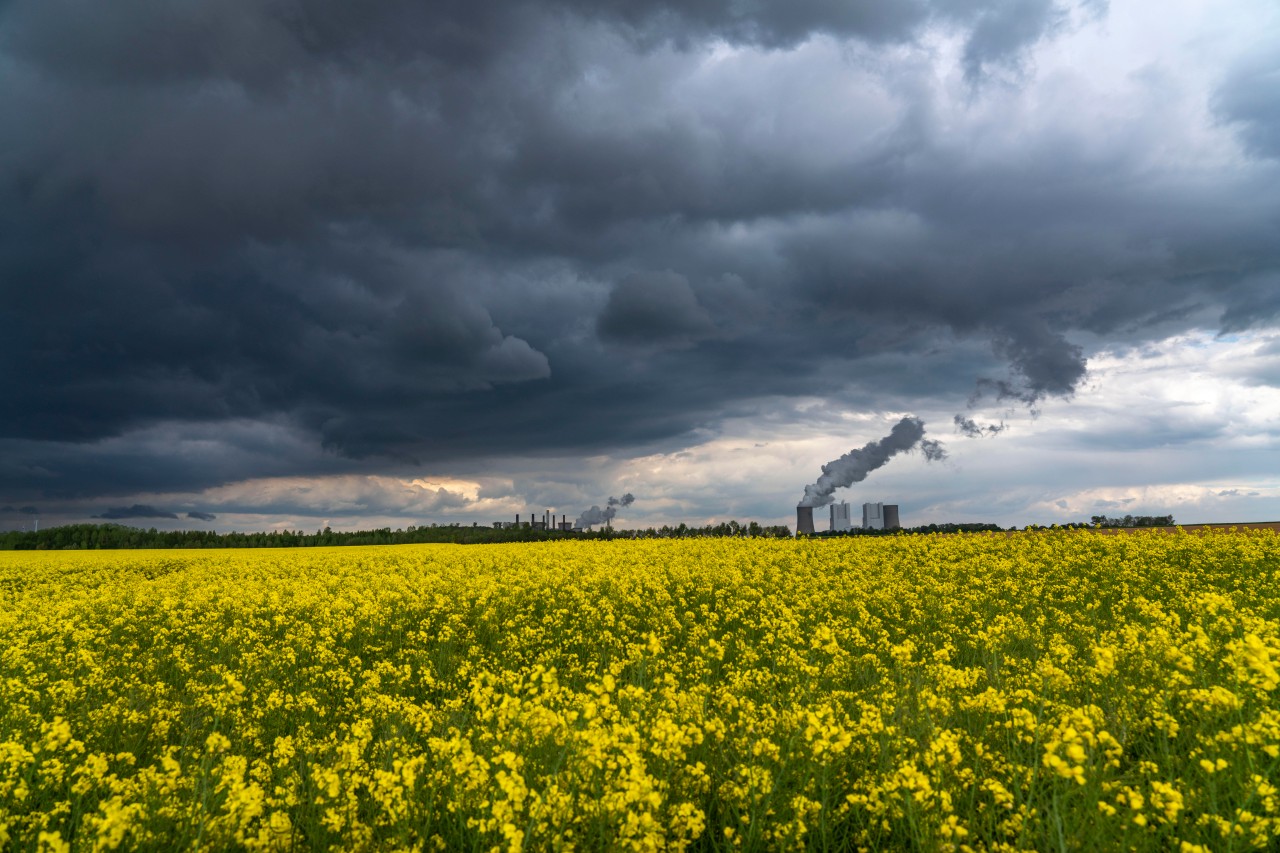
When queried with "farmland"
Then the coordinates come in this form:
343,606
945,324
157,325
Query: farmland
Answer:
1058,690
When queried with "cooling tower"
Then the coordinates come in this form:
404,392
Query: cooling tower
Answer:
804,520
891,517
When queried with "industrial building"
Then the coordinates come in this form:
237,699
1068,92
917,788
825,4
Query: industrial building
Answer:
547,522
804,520
840,519
879,516
875,516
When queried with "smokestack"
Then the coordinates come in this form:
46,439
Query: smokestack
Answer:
804,520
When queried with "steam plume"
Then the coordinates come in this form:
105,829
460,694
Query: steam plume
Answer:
855,465
972,429
933,450
596,515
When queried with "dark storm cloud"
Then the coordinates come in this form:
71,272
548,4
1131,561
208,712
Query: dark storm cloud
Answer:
201,516
1042,363
136,511
264,42
654,308
1257,304
234,234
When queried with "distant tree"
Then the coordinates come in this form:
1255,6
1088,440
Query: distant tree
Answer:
1133,521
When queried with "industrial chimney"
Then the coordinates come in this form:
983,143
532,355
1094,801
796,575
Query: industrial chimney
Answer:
804,520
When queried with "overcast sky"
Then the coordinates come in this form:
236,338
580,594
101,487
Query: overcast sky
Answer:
288,264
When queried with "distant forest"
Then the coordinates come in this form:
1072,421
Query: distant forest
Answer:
965,527
99,536
1133,521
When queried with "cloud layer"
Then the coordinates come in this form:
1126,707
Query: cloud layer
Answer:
244,241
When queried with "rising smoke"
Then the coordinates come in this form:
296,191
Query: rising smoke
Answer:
596,515
933,450
972,429
855,465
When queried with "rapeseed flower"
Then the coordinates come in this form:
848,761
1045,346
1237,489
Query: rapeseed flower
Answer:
922,692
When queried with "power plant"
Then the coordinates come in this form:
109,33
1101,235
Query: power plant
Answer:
590,518
853,467
875,516
547,522
804,520
880,516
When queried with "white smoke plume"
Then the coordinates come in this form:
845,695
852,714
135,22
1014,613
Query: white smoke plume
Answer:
855,465
596,515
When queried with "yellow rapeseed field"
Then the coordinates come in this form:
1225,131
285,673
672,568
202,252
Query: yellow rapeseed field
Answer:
1043,691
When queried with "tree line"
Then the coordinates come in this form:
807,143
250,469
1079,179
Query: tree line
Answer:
111,536
961,527
1133,521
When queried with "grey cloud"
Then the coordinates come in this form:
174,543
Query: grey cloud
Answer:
653,308
162,459
135,511
1043,363
25,510
339,496
1003,30
411,232
253,43
1256,303
258,44
256,336
1249,97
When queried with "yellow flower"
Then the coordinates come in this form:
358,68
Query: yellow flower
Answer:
51,842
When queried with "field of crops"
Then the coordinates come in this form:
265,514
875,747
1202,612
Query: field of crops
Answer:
1042,691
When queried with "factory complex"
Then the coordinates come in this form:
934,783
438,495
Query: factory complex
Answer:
875,516
546,522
